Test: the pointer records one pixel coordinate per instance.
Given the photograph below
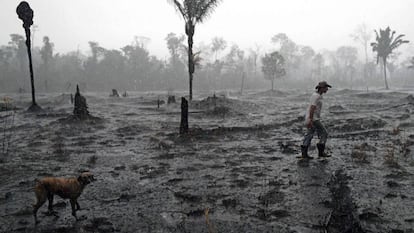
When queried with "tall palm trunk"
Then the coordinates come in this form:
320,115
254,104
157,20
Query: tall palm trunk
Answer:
385,72
189,29
29,53
25,13
191,66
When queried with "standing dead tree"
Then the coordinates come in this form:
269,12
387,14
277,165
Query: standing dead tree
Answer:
25,13
184,116
81,108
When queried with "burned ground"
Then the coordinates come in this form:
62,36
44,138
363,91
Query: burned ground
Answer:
236,171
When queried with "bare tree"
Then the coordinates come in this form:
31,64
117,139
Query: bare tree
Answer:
254,54
347,57
218,44
141,41
25,13
289,50
362,35
177,63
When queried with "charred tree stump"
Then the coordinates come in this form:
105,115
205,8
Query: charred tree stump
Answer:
25,13
215,100
81,108
114,93
171,99
184,116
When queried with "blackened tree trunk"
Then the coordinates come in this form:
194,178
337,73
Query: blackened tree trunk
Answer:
29,53
25,13
184,116
81,108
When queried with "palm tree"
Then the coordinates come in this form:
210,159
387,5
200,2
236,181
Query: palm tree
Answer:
411,66
193,12
386,43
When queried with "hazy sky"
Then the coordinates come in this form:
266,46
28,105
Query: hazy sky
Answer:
114,23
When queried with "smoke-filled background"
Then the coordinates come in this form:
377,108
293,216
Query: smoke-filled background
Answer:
141,45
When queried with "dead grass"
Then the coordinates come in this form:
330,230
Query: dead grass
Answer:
359,156
390,159
360,152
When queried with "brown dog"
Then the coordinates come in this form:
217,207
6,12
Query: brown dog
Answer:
66,188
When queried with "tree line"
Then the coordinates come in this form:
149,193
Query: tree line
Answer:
218,65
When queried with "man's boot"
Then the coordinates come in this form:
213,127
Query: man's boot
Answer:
304,150
321,150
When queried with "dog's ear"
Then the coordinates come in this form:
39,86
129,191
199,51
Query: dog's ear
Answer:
81,179
86,178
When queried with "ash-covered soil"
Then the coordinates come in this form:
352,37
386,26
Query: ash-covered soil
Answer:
236,171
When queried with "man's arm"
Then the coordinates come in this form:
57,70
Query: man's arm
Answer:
311,112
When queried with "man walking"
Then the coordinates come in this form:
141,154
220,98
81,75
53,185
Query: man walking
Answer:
313,123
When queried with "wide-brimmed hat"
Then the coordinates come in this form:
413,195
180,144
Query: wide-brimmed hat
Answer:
322,84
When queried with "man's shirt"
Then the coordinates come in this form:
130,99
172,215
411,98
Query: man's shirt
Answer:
315,100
